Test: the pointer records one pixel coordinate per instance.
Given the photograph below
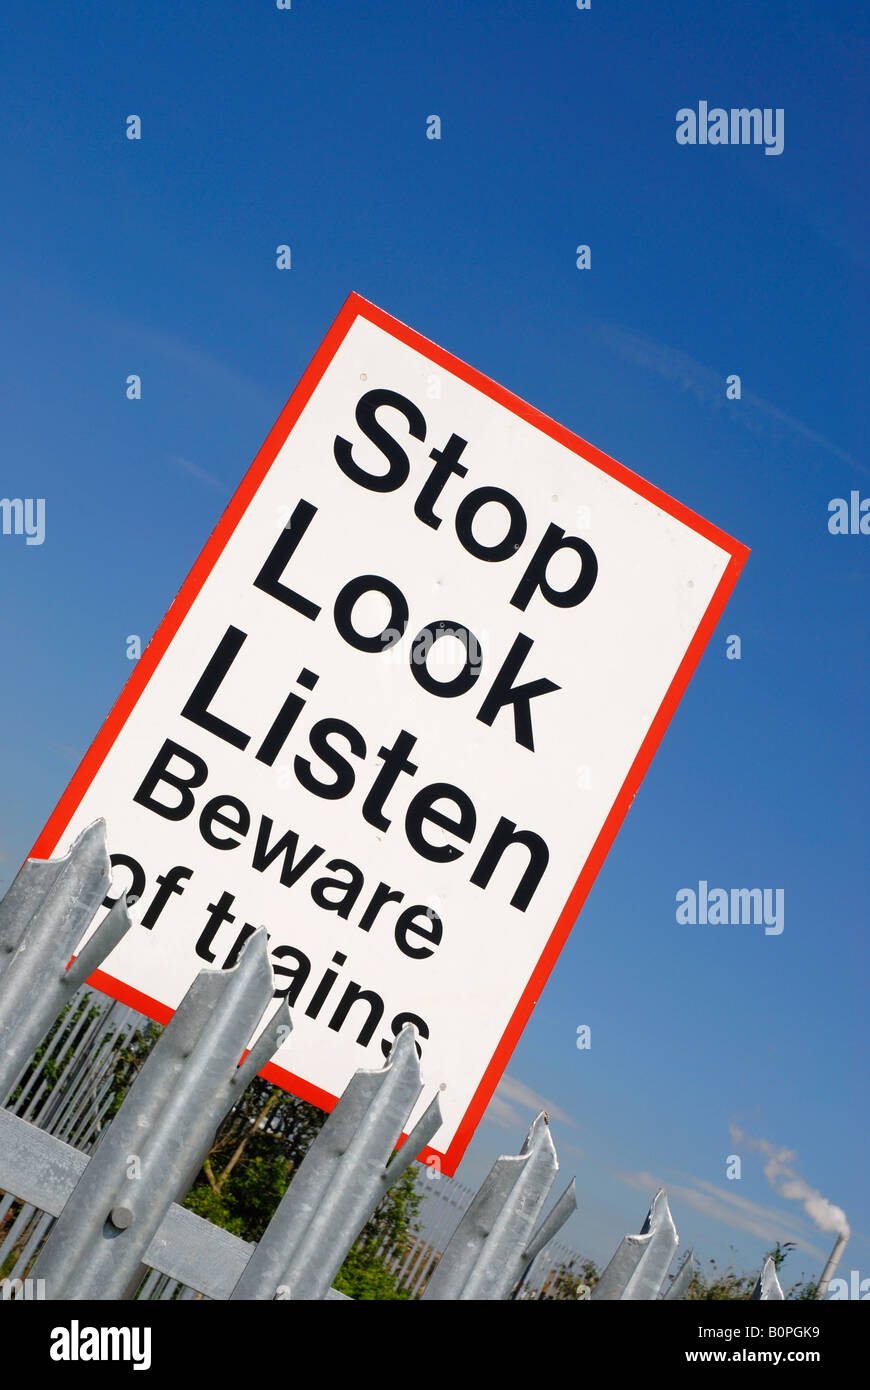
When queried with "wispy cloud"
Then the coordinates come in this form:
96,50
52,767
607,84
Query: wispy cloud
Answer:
187,356
195,360
195,471
643,1181
727,1207
707,386
511,1093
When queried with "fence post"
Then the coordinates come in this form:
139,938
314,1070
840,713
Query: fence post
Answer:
43,916
679,1285
768,1287
150,1154
341,1180
638,1268
493,1243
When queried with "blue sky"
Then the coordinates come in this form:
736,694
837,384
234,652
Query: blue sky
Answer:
308,127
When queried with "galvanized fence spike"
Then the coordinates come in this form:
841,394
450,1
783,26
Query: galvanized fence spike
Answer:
649,1276
768,1287
341,1180
622,1265
273,1035
679,1285
638,1268
154,1147
484,1258
566,1205
428,1125
43,916
66,886
113,927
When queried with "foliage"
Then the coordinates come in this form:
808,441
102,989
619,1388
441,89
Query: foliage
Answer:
366,1279
365,1274
727,1284
255,1154
805,1291
260,1143
721,1284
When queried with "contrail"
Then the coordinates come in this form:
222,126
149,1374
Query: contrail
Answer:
784,1180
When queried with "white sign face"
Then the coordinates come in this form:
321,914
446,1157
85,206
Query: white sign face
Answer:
396,715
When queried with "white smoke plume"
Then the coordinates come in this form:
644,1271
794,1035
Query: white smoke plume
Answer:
784,1180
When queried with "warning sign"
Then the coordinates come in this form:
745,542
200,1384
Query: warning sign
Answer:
396,715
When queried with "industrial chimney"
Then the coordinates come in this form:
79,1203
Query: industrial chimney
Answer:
833,1261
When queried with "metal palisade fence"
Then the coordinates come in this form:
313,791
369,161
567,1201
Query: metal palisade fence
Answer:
89,1209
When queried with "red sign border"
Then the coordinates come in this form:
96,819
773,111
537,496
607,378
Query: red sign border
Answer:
356,307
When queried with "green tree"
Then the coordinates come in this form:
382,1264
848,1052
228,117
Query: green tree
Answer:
366,1273
255,1155
256,1150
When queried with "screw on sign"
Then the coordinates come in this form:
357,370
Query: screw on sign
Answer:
359,724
